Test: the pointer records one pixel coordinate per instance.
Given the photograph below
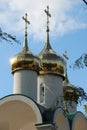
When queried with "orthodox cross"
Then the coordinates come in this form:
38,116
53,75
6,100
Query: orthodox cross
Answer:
66,58
48,15
26,23
65,55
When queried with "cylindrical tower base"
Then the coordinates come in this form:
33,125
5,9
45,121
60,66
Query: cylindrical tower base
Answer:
25,82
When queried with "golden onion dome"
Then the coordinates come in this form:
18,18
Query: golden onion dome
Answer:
67,86
70,92
50,61
25,59
66,83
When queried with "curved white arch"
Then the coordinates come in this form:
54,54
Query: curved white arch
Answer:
19,112
79,122
60,120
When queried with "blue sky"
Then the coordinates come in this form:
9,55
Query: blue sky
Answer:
68,32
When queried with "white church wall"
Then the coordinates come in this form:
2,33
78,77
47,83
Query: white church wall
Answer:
50,90
25,82
60,121
79,122
19,113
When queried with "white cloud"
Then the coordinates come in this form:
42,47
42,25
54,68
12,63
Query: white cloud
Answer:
61,22
69,25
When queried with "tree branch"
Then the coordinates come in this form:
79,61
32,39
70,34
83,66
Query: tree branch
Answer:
85,2
8,37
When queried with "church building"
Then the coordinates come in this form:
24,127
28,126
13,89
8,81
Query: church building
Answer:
43,98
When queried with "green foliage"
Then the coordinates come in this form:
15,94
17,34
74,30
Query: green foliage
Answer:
85,108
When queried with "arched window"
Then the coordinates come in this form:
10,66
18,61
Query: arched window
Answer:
42,93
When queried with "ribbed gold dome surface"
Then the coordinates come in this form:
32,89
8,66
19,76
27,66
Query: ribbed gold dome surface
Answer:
24,60
51,62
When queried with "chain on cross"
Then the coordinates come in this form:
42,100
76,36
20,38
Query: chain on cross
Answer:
26,23
48,15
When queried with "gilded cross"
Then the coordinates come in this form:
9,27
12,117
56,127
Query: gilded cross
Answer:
26,23
48,15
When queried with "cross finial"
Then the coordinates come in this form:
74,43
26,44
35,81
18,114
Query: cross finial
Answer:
26,23
65,55
48,15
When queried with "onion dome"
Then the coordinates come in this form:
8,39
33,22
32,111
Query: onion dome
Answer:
50,61
71,93
25,59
